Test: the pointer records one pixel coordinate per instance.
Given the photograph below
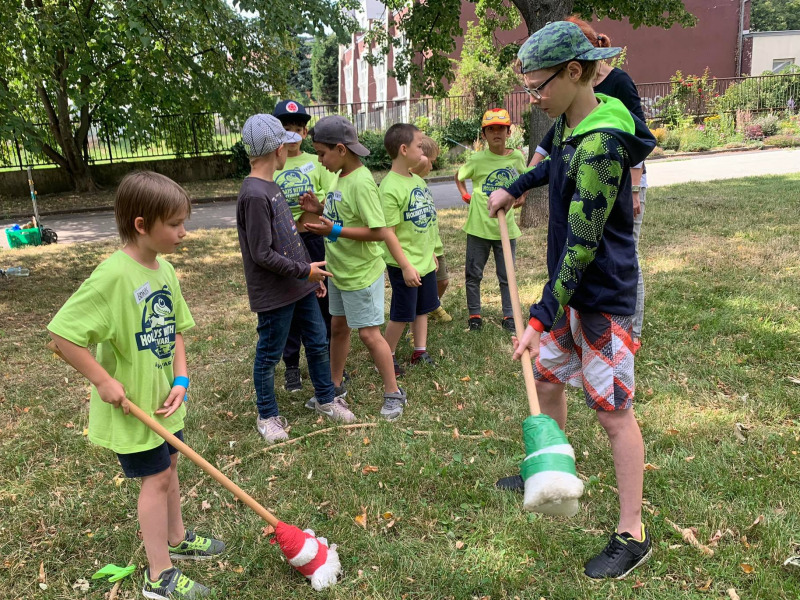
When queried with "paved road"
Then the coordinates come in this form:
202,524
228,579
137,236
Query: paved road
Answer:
89,227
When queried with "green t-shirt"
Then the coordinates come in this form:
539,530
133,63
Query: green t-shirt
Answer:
132,313
489,172
408,207
353,201
301,174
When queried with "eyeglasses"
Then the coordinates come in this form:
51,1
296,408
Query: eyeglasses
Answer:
537,91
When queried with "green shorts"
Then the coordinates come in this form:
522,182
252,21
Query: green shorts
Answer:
441,273
362,308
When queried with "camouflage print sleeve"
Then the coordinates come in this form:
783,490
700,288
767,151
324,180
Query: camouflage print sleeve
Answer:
596,168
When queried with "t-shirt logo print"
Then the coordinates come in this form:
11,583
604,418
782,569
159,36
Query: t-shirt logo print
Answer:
158,324
331,211
499,178
293,183
421,211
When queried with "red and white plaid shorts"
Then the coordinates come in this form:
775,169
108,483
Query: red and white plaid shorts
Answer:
593,351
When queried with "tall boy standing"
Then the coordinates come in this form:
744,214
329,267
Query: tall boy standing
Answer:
282,283
132,308
301,173
581,328
353,225
411,238
490,169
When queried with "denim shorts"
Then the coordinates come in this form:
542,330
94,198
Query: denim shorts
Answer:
362,308
409,302
148,462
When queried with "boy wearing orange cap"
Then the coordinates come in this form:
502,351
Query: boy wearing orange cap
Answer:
493,168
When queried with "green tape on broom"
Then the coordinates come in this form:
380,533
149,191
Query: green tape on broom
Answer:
540,432
547,462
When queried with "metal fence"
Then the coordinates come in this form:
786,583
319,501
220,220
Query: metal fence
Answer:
205,133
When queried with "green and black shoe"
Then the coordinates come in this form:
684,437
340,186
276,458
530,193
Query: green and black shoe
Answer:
196,547
173,585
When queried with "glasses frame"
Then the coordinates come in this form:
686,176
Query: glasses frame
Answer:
537,91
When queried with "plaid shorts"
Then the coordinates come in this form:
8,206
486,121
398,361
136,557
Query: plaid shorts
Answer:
593,351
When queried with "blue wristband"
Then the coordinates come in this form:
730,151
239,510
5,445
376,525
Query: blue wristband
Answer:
335,232
182,381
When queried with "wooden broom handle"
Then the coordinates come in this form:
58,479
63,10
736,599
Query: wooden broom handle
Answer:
189,453
203,464
511,275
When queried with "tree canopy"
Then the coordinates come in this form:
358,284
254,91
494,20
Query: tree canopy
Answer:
67,63
774,15
325,69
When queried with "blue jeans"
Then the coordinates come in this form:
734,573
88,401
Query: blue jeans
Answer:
273,330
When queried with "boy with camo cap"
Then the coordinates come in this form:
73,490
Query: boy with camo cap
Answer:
580,330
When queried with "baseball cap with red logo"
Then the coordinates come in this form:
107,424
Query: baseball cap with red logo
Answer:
291,109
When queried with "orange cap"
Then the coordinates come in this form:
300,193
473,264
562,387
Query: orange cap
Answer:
496,116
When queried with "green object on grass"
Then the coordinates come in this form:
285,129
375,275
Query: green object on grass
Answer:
116,573
542,436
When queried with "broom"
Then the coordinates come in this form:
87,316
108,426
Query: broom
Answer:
552,486
308,554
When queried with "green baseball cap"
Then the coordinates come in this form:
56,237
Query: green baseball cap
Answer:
557,43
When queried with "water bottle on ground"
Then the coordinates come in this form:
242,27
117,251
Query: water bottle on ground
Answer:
16,272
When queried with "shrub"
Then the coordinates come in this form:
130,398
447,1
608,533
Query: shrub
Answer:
694,140
753,132
656,152
660,134
240,159
378,159
672,140
771,91
768,124
687,98
462,131
783,141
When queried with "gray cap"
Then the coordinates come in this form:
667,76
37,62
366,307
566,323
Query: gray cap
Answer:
338,130
557,43
264,134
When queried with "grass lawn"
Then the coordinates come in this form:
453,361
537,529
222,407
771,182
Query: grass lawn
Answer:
13,205
718,412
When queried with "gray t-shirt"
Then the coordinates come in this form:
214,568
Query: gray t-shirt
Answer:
276,262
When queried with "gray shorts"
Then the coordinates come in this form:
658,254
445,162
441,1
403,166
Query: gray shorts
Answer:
362,308
442,274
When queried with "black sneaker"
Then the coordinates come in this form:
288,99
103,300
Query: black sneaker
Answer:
293,381
513,483
508,324
621,555
475,323
398,370
422,359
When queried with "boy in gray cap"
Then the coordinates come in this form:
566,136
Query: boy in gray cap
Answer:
282,282
580,331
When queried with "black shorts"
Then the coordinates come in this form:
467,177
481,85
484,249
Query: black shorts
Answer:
408,302
148,462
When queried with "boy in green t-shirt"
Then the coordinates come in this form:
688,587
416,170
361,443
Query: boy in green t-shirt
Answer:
411,238
301,173
353,225
490,169
132,308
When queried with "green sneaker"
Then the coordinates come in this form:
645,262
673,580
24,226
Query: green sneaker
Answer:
173,585
196,547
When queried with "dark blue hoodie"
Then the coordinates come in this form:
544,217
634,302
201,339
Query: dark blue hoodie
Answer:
591,258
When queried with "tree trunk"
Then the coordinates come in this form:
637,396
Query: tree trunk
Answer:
536,14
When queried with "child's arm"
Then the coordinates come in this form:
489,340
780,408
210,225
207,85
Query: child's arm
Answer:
109,389
636,179
360,234
176,395
504,197
310,203
462,189
544,148
410,274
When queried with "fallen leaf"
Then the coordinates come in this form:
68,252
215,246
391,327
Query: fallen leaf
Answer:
387,515
369,469
459,545
459,406
689,458
238,569
732,594
209,338
309,474
747,568
267,531
81,585
651,467
467,378
793,379
637,585
792,561
437,386
119,480
205,505
740,431
456,434
758,521
366,441
696,326
361,520
43,586
705,587
69,425
85,431
42,574
672,431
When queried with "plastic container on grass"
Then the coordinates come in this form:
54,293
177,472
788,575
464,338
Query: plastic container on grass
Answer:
18,238
16,272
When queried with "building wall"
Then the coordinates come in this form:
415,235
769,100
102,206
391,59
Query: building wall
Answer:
771,46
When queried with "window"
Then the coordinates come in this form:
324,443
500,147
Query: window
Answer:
363,81
780,63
